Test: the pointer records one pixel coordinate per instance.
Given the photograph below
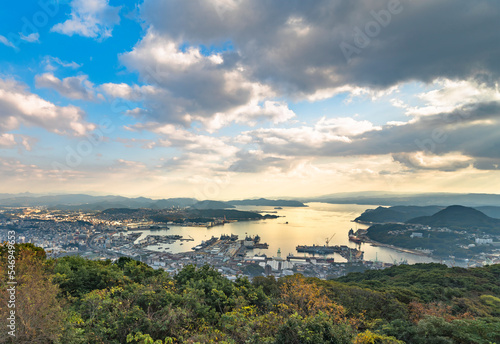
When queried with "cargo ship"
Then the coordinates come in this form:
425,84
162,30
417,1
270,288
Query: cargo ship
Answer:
353,237
316,249
350,254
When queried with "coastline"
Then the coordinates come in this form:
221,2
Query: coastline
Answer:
396,248
365,239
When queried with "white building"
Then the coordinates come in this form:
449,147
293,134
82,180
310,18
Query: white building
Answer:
481,241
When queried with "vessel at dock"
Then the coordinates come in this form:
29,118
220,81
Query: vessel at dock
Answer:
348,253
353,237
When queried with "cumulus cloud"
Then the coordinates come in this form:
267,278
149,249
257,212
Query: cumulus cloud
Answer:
294,50
7,140
199,153
74,87
174,136
255,161
191,86
450,95
296,47
430,142
90,18
125,91
19,107
422,161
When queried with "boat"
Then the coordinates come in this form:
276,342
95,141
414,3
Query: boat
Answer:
316,249
355,239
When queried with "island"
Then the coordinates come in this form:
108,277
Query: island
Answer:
455,231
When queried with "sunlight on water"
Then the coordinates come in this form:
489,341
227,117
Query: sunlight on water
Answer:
306,226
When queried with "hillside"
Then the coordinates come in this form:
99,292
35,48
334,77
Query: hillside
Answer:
491,211
419,199
88,202
212,205
86,301
229,214
459,217
396,213
269,203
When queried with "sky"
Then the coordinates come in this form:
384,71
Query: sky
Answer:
228,99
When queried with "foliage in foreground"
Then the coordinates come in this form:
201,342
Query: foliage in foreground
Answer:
76,301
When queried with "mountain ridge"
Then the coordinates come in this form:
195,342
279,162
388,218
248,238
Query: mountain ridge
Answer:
460,217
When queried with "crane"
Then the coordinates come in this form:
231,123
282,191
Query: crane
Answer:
329,239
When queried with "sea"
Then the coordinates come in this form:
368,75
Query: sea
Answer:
309,225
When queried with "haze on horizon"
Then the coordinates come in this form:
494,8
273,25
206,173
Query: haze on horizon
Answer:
230,99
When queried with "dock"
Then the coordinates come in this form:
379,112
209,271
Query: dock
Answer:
351,254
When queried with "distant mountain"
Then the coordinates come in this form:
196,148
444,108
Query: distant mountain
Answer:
88,202
396,213
6,195
212,205
460,217
423,199
268,202
490,211
74,199
173,202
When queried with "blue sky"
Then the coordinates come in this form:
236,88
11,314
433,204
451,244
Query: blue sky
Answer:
233,98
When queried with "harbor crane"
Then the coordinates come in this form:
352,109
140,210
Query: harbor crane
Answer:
329,239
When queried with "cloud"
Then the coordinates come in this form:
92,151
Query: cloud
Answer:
450,95
90,18
469,132
49,61
125,91
75,87
295,48
194,87
257,161
19,107
17,141
422,161
7,141
174,136
6,42
31,38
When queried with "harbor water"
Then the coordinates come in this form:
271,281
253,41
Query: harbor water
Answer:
311,225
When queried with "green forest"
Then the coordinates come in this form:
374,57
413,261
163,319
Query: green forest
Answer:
442,244
72,300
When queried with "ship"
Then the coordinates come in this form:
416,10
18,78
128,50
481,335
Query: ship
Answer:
348,253
353,237
316,249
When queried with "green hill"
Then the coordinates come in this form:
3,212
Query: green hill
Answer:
396,213
211,205
72,300
459,217
269,203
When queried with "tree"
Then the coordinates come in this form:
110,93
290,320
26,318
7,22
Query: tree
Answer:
39,313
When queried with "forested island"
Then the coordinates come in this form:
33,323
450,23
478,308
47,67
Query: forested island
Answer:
456,231
182,215
72,300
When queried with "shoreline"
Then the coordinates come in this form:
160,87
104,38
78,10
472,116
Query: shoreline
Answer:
396,248
365,239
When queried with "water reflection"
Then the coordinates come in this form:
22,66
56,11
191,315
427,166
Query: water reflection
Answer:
295,226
